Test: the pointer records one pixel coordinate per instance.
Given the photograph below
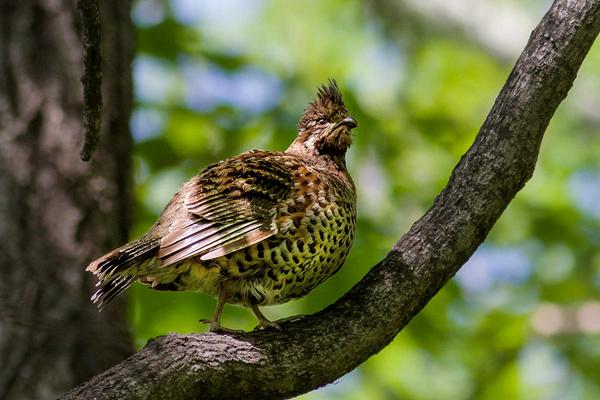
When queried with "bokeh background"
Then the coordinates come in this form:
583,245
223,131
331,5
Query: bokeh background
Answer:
521,320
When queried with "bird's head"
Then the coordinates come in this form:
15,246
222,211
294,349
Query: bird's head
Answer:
325,127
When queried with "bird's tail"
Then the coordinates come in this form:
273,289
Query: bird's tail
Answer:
111,268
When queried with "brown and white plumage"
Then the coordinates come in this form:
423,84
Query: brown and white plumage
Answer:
260,228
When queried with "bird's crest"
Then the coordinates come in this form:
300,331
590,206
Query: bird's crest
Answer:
328,105
329,96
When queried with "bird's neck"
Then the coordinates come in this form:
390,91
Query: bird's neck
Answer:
310,154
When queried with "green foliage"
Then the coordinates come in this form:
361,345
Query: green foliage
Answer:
220,78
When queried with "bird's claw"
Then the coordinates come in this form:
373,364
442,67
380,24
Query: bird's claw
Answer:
215,326
265,324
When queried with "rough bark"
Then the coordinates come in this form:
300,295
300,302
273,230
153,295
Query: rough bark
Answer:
56,211
315,351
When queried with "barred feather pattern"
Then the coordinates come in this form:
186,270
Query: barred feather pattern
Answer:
271,231
109,268
265,227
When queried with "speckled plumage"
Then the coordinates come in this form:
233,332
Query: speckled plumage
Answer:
257,229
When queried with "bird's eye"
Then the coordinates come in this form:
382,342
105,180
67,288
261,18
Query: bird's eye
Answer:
321,121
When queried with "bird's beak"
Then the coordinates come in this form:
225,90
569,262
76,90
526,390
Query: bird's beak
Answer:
349,122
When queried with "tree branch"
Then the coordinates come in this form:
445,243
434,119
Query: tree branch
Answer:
327,345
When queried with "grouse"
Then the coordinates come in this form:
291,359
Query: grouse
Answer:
257,229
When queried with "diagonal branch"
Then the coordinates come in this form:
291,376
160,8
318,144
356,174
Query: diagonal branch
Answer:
325,346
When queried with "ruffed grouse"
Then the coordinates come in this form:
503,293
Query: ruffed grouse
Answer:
257,229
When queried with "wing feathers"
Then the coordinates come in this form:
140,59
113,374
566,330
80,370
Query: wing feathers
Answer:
218,209
185,238
231,205
199,205
207,240
231,235
233,245
181,237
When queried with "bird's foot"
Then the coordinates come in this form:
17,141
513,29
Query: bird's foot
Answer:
215,326
265,323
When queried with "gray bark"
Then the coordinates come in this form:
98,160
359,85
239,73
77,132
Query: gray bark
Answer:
56,211
323,347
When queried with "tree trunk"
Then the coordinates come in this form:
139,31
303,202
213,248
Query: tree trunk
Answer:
57,212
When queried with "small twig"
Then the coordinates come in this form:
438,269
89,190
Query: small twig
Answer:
89,12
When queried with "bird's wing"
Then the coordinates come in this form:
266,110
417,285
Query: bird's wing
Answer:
229,206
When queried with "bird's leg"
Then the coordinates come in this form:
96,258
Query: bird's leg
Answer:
263,322
215,322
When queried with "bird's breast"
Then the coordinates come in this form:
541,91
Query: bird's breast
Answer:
315,230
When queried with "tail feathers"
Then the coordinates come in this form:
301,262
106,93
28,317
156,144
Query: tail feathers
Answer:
111,268
110,289
122,258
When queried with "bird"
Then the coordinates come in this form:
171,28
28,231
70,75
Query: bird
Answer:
260,228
